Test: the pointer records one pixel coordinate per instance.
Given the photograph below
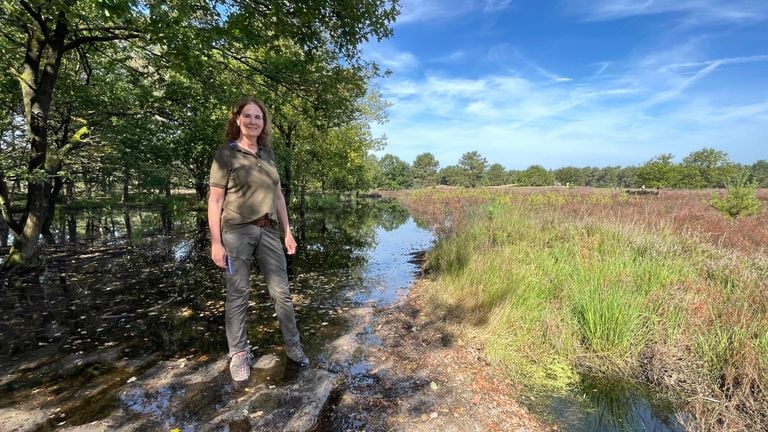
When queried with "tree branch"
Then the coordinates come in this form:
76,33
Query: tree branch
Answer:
78,140
103,29
107,38
36,16
5,207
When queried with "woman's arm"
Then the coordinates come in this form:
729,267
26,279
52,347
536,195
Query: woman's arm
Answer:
215,203
282,216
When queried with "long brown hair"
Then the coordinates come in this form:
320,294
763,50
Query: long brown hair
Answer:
232,132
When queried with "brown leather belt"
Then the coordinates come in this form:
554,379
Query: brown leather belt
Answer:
265,221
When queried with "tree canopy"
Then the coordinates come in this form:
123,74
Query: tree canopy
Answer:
108,93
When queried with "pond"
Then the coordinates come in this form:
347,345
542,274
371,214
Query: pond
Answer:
126,289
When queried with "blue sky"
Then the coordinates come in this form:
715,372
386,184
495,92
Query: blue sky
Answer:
575,82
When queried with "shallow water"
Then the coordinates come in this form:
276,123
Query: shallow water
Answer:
126,289
599,404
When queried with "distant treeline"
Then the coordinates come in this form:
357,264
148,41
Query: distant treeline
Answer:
705,168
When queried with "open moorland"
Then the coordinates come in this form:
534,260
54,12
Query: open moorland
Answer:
559,283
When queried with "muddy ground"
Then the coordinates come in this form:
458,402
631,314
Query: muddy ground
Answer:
417,376
395,370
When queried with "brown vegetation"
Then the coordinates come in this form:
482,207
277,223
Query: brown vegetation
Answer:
717,366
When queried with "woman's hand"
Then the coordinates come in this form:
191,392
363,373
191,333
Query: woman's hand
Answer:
290,243
219,255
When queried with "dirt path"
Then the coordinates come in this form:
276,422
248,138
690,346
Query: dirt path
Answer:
415,376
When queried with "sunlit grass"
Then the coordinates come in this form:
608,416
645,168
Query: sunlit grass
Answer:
550,280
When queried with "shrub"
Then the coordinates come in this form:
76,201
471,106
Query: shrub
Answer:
740,198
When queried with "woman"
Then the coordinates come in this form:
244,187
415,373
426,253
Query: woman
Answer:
244,206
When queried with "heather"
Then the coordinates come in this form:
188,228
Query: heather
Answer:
557,282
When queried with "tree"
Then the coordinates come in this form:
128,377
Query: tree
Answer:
711,167
330,150
312,54
608,176
396,173
658,172
452,175
424,170
740,198
496,175
591,176
474,166
626,177
45,34
758,173
536,175
570,176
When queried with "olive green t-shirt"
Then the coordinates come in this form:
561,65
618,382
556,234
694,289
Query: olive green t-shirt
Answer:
249,182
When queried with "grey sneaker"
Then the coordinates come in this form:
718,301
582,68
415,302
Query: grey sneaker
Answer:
240,366
295,352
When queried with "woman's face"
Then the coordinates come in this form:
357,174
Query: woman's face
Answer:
251,121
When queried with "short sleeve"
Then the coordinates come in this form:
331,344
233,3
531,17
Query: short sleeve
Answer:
220,168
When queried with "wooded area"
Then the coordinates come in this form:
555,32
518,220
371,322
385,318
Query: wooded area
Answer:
107,97
705,168
121,99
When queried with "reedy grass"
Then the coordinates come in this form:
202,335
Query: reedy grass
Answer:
550,283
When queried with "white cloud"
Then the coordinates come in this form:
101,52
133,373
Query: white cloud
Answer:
549,75
453,57
412,11
696,10
495,5
391,58
638,111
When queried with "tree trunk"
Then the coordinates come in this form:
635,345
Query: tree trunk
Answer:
287,181
52,200
72,228
287,185
201,190
302,199
128,226
24,252
37,92
4,231
126,182
70,189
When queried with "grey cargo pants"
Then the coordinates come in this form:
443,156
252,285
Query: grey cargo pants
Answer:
240,244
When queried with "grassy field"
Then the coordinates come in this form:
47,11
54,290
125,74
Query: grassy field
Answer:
659,289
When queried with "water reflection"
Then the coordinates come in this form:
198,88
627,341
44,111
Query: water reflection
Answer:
600,404
139,285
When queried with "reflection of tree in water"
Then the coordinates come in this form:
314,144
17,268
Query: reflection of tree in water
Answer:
118,278
391,215
336,238
623,407
140,282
